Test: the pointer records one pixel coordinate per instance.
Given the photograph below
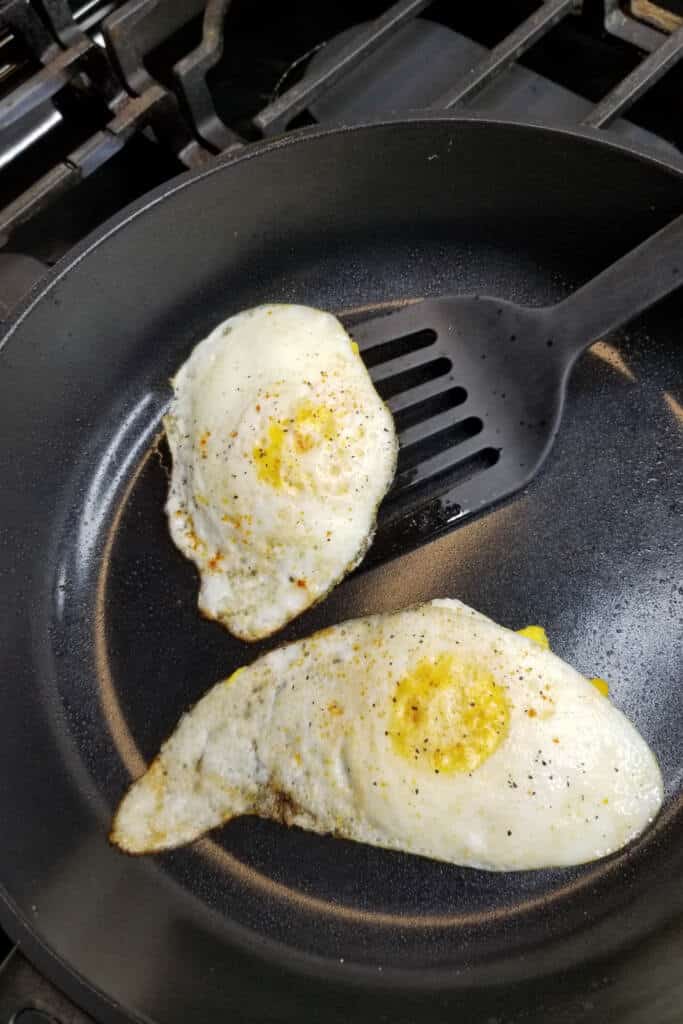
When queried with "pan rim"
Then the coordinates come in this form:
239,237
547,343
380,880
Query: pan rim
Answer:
112,225
18,925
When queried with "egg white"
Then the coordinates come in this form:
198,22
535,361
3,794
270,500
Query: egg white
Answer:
282,451
516,760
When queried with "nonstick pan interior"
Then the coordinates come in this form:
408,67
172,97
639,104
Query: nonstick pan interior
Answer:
103,648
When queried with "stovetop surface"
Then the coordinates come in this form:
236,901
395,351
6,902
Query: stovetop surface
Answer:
573,66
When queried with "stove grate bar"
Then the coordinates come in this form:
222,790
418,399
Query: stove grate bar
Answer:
154,108
133,31
631,88
130,32
190,74
277,115
506,52
22,20
42,86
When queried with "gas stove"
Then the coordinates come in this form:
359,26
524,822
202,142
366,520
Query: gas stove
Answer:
102,101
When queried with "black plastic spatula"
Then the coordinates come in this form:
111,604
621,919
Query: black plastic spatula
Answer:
477,384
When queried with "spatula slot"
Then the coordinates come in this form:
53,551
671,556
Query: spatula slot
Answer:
413,377
432,406
396,347
431,445
458,473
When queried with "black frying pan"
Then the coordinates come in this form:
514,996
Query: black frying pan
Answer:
101,646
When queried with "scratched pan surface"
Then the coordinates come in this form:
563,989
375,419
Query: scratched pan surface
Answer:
101,646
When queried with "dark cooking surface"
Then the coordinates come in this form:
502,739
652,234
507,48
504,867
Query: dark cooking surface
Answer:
606,588
103,648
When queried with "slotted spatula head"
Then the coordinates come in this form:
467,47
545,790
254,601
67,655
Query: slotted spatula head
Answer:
476,387
477,384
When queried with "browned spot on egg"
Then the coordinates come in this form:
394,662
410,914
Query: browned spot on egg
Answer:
334,708
304,442
531,712
278,805
203,442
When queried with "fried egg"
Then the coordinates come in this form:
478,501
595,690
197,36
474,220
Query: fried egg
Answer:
282,451
433,730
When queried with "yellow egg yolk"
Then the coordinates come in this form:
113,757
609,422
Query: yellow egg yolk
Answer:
277,457
235,674
540,637
448,717
537,634
601,685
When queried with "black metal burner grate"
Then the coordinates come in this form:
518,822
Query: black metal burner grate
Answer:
111,84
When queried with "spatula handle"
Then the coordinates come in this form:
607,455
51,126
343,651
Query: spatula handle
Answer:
636,281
